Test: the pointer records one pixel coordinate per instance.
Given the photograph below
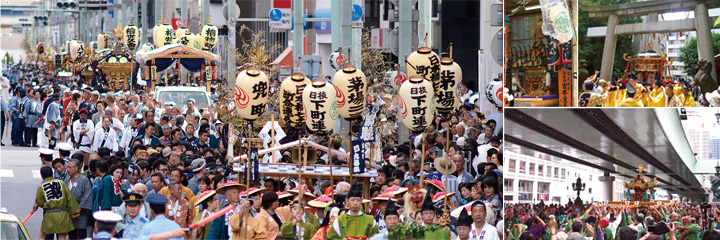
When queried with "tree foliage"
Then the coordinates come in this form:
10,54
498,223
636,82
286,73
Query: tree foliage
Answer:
689,53
591,49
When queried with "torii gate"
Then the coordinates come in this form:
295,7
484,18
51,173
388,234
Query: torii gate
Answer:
702,23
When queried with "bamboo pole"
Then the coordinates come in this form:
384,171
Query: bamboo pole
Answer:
351,150
422,160
272,135
332,194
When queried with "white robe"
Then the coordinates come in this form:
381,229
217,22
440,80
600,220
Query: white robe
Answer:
110,141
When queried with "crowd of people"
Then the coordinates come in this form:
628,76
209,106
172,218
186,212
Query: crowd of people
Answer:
630,92
161,167
666,221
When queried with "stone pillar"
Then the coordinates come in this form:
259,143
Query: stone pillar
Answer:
604,190
704,38
145,22
608,57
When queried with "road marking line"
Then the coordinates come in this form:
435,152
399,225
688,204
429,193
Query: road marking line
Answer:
36,173
6,173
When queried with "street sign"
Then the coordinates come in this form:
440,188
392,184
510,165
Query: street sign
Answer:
59,19
357,12
284,21
357,24
275,14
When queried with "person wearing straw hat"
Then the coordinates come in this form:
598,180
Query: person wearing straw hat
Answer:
320,204
254,198
382,202
132,221
303,224
208,202
353,224
219,228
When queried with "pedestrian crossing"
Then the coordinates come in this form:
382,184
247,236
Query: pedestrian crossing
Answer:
10,173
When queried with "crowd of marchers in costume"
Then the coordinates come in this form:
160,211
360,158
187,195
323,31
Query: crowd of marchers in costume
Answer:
153,169
676,221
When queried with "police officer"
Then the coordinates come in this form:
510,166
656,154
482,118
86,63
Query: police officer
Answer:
132,221
46,155
160,223
105,225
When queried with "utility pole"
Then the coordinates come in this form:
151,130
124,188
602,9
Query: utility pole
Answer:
298,8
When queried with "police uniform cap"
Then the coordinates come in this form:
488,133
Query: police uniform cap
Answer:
157,199
63,146
132,198
46,151
107,216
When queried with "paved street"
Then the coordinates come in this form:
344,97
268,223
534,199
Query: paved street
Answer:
19,178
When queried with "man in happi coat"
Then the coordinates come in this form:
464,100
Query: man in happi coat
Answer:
58,204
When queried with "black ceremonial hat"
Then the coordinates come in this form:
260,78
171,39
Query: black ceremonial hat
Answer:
355,190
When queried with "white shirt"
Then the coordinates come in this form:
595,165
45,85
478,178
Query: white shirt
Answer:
129,133
108,136
78,126
488,232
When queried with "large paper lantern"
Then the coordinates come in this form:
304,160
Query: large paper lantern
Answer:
251,93
416,103
103,40
197,42
426,63
351,85
446,94
77,50
209,36
187,38
180,32
163,34
291,107
320,106
131,35
494,92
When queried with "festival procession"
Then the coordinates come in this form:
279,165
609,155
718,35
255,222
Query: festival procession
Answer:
194,120
560,185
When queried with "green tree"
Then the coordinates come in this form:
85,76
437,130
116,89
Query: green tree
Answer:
591,49
689,53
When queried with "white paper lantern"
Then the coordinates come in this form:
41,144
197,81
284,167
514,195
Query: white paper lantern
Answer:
251,93
180,32
416,103
320,106
351,85
187,38
77,50
446,94
103,40
291,107
131,36
209,36
197,42
494,92
426,63
163,35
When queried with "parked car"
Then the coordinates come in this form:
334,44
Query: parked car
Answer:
11,228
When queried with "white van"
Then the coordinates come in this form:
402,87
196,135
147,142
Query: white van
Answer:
181,94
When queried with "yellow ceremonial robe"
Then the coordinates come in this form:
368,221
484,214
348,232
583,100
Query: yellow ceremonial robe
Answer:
657,98
630,102
688,101
674,101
